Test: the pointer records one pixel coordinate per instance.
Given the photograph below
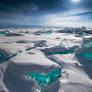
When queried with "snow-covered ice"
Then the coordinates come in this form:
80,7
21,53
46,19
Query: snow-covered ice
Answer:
27,51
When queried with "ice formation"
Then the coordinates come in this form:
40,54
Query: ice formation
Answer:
41,60
4,32
62,52
3,58
48,78
87,54
87,45
84,34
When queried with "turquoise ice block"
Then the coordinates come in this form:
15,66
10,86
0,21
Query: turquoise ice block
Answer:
48,78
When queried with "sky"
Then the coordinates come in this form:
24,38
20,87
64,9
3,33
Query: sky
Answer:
72,13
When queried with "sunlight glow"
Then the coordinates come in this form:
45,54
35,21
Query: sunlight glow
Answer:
75,1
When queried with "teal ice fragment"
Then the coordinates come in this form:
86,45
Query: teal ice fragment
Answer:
4,32
4,58
62,52
49,32
84,28
87,54
48,78
87,45
12,56
29,48
40,32
70,31
27,32
84,34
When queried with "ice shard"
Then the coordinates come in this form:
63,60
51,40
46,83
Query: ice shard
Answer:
84,34
4,58
84,28
87,45
62,52
48,78
49,32
87,54
4,32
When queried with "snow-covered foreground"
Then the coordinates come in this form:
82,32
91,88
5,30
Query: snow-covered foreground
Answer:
23,52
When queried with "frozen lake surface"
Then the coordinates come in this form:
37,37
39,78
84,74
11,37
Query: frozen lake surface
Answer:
58,61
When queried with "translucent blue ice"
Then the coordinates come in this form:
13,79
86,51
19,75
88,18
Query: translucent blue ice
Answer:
49,32
4,32
87,45
48,78
4,58
62,52
87,54
84,34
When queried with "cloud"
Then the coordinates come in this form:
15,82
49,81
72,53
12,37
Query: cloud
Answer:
45,12
72,18
69,18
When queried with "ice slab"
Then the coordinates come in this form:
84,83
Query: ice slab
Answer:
62,52
87,54
3,58
4,32
48,78
87,45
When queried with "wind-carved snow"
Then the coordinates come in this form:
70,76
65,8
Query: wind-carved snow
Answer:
45,51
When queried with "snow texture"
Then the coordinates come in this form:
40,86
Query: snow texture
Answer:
44,51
